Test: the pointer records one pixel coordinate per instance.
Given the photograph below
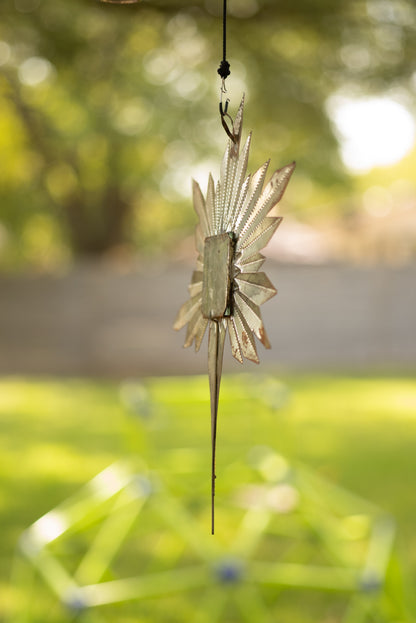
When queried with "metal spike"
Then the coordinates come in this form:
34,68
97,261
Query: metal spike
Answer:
217,330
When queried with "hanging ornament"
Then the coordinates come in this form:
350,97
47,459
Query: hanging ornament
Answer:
226,288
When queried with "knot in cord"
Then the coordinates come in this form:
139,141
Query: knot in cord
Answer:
224,69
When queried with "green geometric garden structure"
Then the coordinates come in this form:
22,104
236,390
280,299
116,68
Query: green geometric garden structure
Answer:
285,513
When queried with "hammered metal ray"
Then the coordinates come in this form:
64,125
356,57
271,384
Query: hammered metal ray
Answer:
269,198
249,263
254,192
200,207
200,332
192,328
199,240
234,341
256,286
210,205
245,337
240,176
252,314
262,234
196,281
187,311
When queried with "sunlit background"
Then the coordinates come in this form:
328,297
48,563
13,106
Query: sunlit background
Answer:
108,109
374,132
106,116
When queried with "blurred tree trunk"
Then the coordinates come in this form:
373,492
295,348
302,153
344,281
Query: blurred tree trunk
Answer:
94,225
96,234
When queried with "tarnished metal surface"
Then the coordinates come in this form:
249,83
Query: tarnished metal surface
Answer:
216,283
226,288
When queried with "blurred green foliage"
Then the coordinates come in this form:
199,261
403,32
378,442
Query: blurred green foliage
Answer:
106,110
356,432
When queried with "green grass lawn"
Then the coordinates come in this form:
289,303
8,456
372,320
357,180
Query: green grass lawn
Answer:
358,433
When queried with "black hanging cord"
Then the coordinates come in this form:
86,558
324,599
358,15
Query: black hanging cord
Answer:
224,68
224,71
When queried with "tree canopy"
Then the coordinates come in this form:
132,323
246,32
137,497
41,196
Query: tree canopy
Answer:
106,111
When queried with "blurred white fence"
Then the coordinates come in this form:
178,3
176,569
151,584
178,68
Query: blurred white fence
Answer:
100,321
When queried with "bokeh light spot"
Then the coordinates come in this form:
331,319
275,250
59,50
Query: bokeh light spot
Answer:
375,131
34,70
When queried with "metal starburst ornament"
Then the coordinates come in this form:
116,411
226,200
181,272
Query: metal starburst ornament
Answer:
227,289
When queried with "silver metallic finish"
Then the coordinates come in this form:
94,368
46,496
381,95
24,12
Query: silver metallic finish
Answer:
217,331
226,288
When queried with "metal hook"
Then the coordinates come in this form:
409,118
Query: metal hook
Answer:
224,113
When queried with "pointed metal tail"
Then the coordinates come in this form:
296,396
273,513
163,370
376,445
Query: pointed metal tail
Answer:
217,331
